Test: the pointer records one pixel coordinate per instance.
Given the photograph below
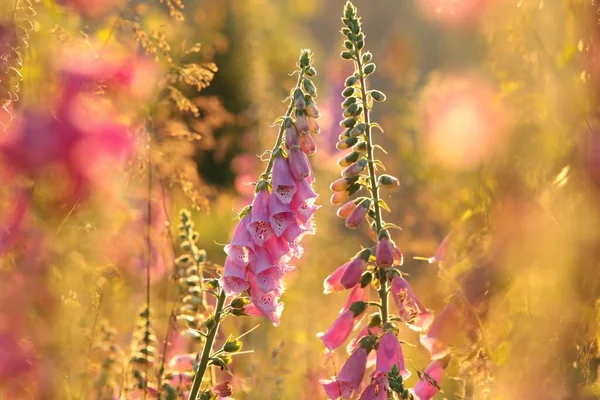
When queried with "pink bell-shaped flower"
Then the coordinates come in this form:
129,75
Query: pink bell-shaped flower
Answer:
283,182
349,377
428,385
259,226
384,254
410,309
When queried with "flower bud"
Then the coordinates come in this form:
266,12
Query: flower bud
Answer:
350,81
299,166
377,95
346,143
353,272
339,197
311,107
357,130
388,181
299,99
358,214
355,169
302,122
351,110
349,91
346,55
349,159
308,145
341,184
309,87
209,323
348,101
348,44
367,56
238,312
232,345
313,126
384,253
375,320
292,138
348,122
361,147
347,209
369,68
240,302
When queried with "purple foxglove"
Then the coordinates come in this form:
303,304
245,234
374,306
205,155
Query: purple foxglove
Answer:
349,377
259,227
292,137
308,145
302,122
384,253
283,182
313,126
359,213
410,309
389,353
355,169
377,389
234,278
241,235
428,385
363,332
338,198
339,331
266,272
347,209
299,165
332,282
311,109
354,270
264,303
442,331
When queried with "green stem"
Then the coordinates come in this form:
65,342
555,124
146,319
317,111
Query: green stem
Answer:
207,350
281,130
383,292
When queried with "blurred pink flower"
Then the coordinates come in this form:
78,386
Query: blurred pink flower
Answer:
462,13
350,376
463,123
410,309
92,8
428,385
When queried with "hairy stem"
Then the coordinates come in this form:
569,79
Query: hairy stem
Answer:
207,350
383,291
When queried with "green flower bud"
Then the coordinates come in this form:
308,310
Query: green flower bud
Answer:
369,68
348,122
351,110
346,144
374,320
309,87
240,302
232,345
346,55
348,44
210,323
354,188
349,159
238,312
377,95
310,72
349,91
348,101
367,56
388,181
351,80
361,147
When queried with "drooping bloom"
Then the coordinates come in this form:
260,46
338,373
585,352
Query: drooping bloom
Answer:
428,385
389,353
339,331
358,214
442,331
410,309
283,183
259,227
349,377
377,389
384,253
299,165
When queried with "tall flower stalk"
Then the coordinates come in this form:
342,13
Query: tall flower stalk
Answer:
269,231
377,265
